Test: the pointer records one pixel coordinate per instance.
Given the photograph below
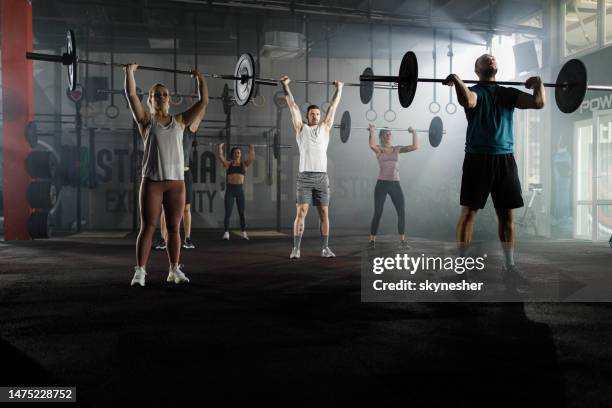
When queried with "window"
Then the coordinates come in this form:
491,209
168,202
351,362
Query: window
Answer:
580,25
608,22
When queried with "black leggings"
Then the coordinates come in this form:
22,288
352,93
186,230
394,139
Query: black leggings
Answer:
234,192
393,188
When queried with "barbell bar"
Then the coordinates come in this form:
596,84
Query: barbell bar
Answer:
244,77
570,87
435,131
71,60
246,69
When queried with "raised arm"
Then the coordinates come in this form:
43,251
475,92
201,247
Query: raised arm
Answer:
465,97
535,101
372,140
331,112
221,155
138,112
197,110
414,145
296,115
251,157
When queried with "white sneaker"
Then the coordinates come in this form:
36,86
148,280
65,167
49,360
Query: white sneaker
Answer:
244,235
226,236
139,276
176,275
327,253
295,253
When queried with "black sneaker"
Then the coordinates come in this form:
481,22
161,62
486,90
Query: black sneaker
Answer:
187,244
372,244
161,245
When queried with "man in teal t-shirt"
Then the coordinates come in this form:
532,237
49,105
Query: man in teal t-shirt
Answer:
489,166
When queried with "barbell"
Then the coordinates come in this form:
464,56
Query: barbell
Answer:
570,87
244,77
71,60
435,131
276,146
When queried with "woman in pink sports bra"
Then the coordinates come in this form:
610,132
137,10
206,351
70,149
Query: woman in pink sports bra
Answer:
388,179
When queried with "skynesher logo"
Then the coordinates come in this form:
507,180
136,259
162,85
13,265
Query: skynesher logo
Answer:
404,262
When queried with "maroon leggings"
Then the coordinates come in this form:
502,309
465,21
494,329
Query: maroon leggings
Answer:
154,194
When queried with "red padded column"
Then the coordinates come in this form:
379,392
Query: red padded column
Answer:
17,108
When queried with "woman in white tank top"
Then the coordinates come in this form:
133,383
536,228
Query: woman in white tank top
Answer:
162,169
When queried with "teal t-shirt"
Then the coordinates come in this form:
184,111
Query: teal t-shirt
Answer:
489,128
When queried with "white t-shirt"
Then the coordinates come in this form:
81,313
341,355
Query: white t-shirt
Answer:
312,144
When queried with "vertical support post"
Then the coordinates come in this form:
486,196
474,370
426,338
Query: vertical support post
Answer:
18,106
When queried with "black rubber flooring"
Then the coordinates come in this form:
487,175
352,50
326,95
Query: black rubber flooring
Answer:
253,328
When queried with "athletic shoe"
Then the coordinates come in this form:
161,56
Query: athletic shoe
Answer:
295,253
372,244
161,245
226,236
403,245
187,244
139,276
327,253
176,275
244,235
513,275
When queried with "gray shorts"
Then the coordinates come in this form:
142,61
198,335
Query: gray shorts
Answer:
312,188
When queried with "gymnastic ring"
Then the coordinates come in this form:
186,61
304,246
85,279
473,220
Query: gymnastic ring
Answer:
371,115
434,107
325,106
175,99
258,104
387,116
451,108
111,111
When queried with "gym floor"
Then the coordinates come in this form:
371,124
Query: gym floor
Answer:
252,326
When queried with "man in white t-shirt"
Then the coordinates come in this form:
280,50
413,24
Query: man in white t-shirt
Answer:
312,181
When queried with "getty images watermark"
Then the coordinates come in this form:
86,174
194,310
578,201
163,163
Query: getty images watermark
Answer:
438,274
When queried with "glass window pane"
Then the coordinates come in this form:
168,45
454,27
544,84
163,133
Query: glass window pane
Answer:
580,25
584,221
584,153
604,159
604,222
608,21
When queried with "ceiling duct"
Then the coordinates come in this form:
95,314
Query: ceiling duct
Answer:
283,45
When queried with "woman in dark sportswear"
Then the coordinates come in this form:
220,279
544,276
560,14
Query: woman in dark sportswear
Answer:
388,179
234,190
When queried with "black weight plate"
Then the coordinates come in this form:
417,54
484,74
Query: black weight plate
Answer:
572,81
31,134
345,127
40,225
408,76
226,100
279,100
276,145
41,164
435,131
243,88
72,67
42,194
366,88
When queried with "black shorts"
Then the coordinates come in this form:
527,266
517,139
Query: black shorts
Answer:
490,173
188,186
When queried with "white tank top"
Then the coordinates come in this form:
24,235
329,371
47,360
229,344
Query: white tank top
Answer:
163,157
312,143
